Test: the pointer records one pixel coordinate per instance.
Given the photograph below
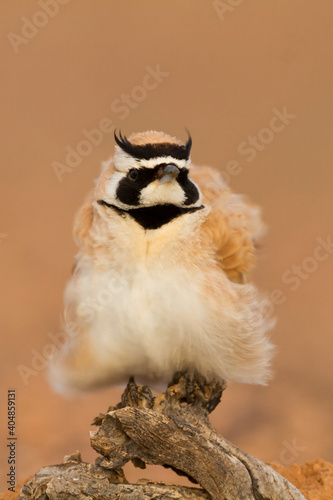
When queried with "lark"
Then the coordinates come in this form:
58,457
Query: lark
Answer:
161,282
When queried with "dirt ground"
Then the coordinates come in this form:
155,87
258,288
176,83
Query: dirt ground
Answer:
313,479
253,84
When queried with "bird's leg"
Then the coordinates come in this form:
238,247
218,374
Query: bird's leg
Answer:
135,395
194,389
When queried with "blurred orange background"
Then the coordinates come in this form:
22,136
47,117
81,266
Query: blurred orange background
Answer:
223,70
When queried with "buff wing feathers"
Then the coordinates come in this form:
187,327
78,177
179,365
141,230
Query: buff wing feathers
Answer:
233,225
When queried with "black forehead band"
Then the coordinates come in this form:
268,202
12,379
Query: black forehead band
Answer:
148,151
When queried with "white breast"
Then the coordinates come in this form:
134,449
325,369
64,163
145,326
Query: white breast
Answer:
148,318
147,312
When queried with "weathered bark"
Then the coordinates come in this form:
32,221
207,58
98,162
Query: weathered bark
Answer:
172,430
81,481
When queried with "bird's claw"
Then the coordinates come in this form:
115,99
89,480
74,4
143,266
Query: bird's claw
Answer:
135,395
195,390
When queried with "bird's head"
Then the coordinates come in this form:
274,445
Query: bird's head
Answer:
150,179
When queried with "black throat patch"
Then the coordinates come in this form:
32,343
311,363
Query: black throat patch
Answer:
153,217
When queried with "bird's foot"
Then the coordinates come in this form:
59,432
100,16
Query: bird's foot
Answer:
194,389
135,395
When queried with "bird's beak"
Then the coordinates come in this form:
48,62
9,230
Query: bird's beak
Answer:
168,174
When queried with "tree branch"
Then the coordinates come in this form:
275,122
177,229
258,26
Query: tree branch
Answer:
172,430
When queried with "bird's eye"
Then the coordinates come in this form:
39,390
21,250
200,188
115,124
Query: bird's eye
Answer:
133,174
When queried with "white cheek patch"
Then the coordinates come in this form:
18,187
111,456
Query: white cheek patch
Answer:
157,193
112,185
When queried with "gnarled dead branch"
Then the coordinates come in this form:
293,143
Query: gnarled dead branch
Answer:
172,430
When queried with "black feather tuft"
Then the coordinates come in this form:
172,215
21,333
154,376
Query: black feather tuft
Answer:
153,150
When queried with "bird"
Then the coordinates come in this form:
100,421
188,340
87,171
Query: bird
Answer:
161,282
